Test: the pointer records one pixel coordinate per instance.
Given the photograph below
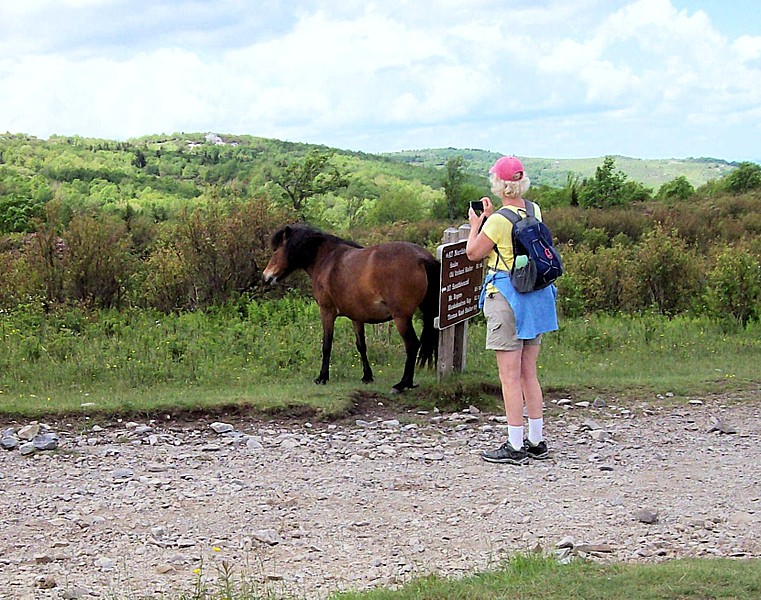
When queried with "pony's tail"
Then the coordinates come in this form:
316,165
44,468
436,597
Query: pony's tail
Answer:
429,338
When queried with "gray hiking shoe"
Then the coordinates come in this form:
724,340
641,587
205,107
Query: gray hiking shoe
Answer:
506,454
538,451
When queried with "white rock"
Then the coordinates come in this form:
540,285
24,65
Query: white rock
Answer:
219,427
28,432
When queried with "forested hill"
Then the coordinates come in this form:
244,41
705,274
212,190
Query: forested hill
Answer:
554,171
161,175
223,157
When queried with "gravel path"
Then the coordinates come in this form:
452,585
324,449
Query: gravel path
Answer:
137,510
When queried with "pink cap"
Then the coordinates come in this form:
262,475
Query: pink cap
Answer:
508,168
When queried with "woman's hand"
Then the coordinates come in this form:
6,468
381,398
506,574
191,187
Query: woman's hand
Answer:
479,245
488,206
475,220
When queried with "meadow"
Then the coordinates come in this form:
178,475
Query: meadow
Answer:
263,356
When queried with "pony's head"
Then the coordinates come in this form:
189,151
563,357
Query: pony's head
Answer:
293,247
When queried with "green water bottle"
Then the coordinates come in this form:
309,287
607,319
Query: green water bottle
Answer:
521,261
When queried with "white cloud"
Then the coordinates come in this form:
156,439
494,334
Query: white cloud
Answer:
375,76
747,48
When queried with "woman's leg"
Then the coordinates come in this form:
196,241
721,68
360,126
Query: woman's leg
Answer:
532,394
509,366
532,390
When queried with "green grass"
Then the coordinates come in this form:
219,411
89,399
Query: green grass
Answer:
538,577
541,578
265,356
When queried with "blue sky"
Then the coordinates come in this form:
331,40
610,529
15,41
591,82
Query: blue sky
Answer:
564,79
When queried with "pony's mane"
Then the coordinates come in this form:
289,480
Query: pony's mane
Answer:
302,242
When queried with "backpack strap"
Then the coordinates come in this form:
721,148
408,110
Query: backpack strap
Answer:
514,217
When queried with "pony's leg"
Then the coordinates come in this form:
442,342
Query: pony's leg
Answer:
359,335
328,324
411,343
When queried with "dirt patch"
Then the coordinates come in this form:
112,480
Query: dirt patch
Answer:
381,494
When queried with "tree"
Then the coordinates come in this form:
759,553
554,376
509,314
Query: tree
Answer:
610,188
605,188
400,201
309,177
550,197
139,161
676,189
453,186
746,177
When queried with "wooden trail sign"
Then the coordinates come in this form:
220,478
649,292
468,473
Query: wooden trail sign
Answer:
460,288
461,282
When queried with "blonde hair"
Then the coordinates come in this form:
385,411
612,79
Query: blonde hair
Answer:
509,189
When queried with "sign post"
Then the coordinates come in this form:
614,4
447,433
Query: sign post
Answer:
461,282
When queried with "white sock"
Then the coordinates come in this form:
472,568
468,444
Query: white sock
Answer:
515,436
536,430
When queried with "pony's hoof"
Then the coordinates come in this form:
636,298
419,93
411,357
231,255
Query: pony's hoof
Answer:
320,381
400,387
366,381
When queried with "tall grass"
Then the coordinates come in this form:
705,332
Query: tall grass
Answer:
266,354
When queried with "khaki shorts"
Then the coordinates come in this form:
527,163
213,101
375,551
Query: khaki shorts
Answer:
500,325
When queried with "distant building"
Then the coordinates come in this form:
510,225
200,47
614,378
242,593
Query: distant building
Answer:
215,139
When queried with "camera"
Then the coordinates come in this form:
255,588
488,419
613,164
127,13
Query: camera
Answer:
477,205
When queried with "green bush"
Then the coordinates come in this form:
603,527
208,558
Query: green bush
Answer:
98,260
164,281
571,300
567,223
594,238
668,272
678,189
600,281
733,289
11,271
746,177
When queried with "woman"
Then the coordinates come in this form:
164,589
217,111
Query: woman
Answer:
515,322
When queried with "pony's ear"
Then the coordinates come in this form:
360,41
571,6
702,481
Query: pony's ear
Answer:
287,231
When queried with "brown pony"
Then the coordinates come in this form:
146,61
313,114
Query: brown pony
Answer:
367,285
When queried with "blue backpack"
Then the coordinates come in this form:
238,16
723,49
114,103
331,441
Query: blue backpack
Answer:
531,238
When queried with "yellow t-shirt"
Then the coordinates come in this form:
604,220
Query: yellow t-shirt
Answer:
500,231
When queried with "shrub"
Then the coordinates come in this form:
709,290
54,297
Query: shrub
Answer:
598,281
567,223
571,300
428,234
692,223
734,286
98,260
632,222
746,177
594,238
676,189
44,255
164,281
213,254
10,274
668,271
